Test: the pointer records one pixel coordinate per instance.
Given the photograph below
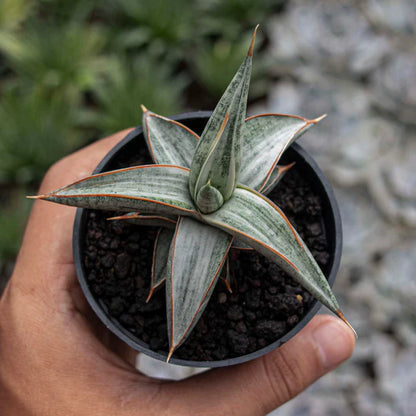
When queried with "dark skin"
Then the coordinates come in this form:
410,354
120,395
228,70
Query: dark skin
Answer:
57,359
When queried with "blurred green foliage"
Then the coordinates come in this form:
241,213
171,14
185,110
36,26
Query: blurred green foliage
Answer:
133,82
35,132
65,64
13,13
72,71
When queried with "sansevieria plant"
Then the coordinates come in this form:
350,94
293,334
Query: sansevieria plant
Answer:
208,193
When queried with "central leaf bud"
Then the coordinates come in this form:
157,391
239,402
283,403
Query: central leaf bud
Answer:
209,199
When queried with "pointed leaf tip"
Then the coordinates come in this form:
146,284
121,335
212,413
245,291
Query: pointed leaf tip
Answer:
149,296
250,50
170,353
318,119
285,168
341,315
144,109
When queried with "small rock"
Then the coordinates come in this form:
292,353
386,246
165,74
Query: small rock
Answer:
241,327
114,245
126,320
292,320
108,260
238,342
117,306
314,229
250,316
272,290
270,329
132,248
235,313
103,244
220,352
222,297
253,299
122,266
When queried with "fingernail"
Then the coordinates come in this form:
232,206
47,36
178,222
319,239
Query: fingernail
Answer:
334,342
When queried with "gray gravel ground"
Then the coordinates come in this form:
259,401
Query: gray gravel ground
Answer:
356,61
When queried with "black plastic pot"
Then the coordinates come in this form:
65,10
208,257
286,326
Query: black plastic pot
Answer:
304,164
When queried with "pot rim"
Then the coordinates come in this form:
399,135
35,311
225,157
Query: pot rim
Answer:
114,326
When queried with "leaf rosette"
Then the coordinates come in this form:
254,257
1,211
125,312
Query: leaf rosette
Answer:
207,194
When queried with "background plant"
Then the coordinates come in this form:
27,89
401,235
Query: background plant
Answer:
74,71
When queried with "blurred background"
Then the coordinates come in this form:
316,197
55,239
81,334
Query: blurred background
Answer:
72,71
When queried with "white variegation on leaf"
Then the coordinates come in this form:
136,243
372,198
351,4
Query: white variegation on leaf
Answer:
208,189
274,132
217,157
149,189
198,253
169,142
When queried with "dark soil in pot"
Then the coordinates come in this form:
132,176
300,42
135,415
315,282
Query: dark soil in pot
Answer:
264,305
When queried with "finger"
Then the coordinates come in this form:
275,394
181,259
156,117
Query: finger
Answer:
259,386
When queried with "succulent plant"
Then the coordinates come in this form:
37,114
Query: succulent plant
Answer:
206,194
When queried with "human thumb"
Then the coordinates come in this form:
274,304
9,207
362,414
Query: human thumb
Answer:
261,385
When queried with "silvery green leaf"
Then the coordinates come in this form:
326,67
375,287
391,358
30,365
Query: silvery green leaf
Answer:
272,235
159,189
169,142
265,138
167,221
277,175
209,199
198,253
217,156
160,258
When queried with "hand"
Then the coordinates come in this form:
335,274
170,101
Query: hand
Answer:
57,359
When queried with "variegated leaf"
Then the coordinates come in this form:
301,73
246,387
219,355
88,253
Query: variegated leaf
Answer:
198,253
277,175
209,198
160,259
169,142
272,235
167,221
265,138
217,156
159,189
